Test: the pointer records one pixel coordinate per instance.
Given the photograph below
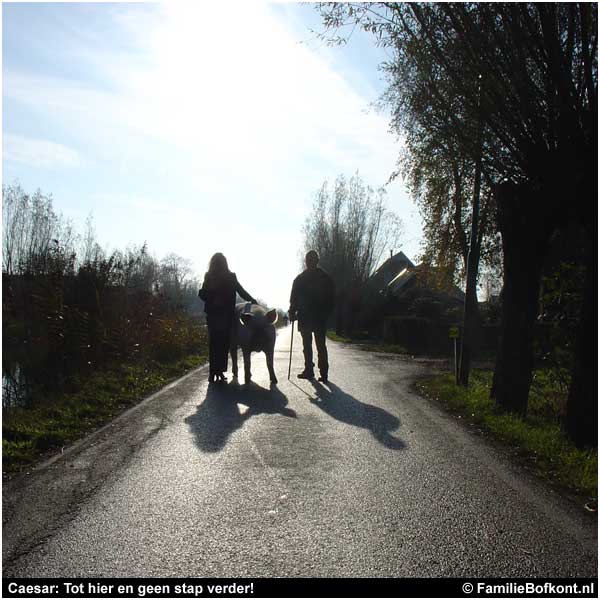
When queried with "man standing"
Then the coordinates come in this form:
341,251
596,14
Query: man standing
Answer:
311,303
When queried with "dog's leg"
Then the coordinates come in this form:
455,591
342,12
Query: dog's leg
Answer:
269,356
247,374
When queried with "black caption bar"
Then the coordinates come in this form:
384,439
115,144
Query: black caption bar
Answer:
299,588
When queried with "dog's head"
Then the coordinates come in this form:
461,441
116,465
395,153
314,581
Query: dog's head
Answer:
257,317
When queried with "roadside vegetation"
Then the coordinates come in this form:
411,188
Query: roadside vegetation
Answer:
332,335
366,344
86,333
536,437
43,428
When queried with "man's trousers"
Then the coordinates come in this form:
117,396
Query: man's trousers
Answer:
322,359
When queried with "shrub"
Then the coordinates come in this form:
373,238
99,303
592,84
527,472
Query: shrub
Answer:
418,335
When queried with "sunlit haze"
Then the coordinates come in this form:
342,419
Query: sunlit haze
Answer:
196,127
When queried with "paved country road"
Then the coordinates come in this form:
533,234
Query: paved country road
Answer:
359,478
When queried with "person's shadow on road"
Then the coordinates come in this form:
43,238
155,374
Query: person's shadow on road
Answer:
223,412
347,409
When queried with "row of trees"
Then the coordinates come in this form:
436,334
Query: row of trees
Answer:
38,241
350,227
497,103
68,306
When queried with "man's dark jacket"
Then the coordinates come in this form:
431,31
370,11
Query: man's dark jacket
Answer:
312,299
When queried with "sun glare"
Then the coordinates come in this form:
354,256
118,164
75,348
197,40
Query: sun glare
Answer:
228,89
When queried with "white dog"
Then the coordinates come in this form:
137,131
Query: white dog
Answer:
253,331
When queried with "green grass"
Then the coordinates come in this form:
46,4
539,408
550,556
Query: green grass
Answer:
332,335
536,438
368,346
32,433
389,348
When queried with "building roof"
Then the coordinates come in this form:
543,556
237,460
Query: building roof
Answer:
395,264
401,280
389,270
398,273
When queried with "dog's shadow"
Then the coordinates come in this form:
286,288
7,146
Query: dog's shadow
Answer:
347,409
227,407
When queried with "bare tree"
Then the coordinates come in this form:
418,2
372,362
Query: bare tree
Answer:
173,275
35,239
350,228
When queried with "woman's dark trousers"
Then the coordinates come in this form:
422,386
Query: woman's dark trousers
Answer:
219,336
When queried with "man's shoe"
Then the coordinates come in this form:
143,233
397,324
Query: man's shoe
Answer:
323,379
306,375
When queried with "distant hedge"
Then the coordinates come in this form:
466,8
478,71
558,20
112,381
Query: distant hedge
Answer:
419,335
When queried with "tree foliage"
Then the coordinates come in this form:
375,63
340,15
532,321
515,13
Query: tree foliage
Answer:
537,66
515,85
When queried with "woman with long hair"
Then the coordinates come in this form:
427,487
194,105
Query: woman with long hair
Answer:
218,293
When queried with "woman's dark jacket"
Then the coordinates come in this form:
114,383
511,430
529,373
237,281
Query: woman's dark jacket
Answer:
219,293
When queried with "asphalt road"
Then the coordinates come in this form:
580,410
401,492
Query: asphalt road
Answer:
359,478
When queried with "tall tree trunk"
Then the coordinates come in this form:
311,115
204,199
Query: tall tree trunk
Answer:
581,422
470,321
471,308
525,237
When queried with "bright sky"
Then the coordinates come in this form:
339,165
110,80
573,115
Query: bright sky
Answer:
197,127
